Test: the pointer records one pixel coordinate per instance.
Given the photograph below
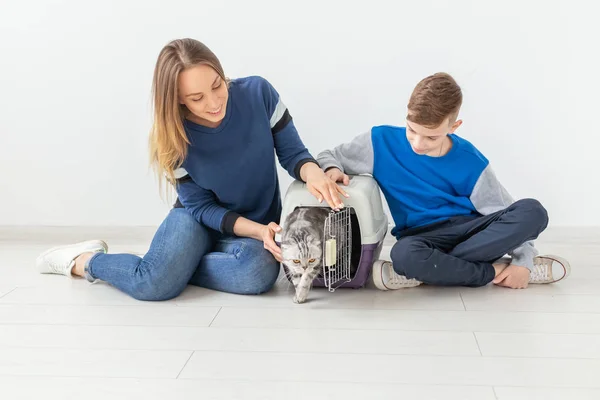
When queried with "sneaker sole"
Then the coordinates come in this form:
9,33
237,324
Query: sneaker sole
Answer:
378,275
102,243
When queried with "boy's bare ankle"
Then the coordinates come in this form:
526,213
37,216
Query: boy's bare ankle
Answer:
80,262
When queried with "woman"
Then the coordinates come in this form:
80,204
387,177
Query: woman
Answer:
215,140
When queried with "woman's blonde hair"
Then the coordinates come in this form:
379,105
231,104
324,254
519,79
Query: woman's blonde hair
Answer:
168,141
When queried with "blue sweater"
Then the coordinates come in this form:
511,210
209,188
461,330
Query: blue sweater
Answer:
423,190
230,171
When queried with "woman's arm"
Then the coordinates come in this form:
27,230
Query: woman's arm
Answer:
202,204
265,233
293,155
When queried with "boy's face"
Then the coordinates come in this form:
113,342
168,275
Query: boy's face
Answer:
428,141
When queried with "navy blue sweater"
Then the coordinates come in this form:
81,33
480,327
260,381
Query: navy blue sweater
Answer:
230,170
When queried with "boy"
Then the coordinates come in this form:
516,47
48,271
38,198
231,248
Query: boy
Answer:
454,220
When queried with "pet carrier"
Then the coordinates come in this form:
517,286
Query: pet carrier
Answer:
360,228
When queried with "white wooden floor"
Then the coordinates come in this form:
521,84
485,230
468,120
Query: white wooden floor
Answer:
67,339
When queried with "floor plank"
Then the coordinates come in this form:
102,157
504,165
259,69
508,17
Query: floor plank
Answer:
432,370
99,363
525,393
238,339
157,315
539,345
411,320
27,388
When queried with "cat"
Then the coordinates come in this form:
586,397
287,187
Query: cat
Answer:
302,248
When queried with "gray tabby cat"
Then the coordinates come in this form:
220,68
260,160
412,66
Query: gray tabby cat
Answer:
302,247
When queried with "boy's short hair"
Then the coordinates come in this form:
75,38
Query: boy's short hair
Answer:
434,99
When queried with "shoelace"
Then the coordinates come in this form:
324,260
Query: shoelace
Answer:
540,272
395,278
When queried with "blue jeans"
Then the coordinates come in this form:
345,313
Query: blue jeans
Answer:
185,252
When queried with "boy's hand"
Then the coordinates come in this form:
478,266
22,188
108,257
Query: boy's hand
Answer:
514,277
321,186
338,176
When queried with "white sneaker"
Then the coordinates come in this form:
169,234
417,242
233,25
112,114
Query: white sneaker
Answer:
549,269
385,278
60,260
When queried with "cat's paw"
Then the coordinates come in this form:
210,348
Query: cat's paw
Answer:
299,299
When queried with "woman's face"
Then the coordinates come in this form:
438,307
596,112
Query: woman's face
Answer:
204,93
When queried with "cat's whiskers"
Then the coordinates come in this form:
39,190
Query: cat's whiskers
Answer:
286,278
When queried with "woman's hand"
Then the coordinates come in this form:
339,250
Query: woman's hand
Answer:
267,235
321,186
244,227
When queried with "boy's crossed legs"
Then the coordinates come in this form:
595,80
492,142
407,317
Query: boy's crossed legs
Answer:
464,251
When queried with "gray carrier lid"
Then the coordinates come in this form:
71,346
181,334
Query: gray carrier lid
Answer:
365,198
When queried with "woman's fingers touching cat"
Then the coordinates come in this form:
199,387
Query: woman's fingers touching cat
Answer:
269,243
276,254
277,257
274,250
274,227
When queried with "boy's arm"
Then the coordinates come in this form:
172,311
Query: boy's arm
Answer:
354,157
489,196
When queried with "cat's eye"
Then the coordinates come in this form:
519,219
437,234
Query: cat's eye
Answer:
312,260
296,261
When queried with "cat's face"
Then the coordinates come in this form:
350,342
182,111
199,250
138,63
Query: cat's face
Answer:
302,254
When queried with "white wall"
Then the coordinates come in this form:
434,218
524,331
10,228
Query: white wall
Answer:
75,88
